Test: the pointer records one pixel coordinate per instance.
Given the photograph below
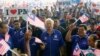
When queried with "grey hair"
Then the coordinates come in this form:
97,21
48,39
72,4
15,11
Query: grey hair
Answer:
49,20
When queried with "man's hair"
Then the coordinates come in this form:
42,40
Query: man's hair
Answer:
83,25
2,24
72,20
49,19
92,24
16,21
94,36
98,44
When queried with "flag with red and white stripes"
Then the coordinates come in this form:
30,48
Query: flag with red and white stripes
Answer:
34,20
4,47
7,37
77,50
83,18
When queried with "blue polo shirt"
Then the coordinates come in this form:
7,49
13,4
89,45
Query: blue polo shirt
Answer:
16,35
33,46
53,43
82,42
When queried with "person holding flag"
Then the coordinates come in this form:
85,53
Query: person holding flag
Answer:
3,31
91,41
29,44
80,38
16,33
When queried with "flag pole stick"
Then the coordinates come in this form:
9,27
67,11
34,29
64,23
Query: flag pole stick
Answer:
8,27
76,21
14,52
27,25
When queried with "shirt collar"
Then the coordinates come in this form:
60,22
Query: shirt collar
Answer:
53,32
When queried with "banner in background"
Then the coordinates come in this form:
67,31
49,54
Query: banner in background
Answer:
15,12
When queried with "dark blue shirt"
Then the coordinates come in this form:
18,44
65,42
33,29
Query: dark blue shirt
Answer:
82,42
16,35
33,46
53,43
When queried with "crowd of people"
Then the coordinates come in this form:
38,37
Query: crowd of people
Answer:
63,36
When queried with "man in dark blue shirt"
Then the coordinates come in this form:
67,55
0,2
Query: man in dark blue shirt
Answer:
16,33
92,29
81,38
53,40
28,44
3,31
32,45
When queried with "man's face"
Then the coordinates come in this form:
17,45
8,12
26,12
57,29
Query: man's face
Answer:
98,32
81,31
91,41
93,27
4,29
16,25
56,23
49,25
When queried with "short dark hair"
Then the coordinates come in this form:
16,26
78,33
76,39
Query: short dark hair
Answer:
16,21
83,25
98,44
94,37
72,20
92,24
2,24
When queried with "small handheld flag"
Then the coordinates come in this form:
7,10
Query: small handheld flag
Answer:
4,47
37,40
83,18
33,20
77,51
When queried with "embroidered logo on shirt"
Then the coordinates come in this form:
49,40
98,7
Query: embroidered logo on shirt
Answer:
21,33
45,38
33,43
55,38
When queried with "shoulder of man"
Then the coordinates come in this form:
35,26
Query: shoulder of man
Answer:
57,31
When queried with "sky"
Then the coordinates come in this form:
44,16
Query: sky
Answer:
45,2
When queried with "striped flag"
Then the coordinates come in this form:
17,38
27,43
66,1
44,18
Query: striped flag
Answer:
33,20
77,51
37,40
4,47
7,36
97,52
83,18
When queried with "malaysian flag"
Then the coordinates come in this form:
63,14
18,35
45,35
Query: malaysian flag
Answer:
37,40
77,51
4,47
7,36
33,20
83,18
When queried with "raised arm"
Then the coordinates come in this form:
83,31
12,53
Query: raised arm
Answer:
68,34
27,46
